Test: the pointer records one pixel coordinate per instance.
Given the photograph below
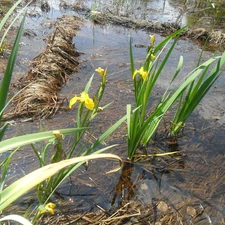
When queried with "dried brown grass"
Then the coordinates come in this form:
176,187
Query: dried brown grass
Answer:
49,72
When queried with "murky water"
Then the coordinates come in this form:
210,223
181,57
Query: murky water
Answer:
194,178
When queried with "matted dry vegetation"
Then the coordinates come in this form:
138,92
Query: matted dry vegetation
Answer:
216,37
40,86
201,34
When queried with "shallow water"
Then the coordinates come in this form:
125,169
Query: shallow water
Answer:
193,177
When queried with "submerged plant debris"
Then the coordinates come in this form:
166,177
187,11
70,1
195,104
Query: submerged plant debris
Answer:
49,72
143,195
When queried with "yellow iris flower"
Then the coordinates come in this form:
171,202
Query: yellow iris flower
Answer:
142,72
84,97
100,71
48,208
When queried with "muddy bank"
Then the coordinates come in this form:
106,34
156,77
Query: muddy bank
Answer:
49,72
214,37
106,18
200,34
107,15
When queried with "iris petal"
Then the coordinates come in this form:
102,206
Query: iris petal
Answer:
142,72
73,101
84,97
89,104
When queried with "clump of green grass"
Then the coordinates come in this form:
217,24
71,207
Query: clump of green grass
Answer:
204,77
141,125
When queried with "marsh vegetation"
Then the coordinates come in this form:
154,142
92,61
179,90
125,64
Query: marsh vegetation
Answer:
139,111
